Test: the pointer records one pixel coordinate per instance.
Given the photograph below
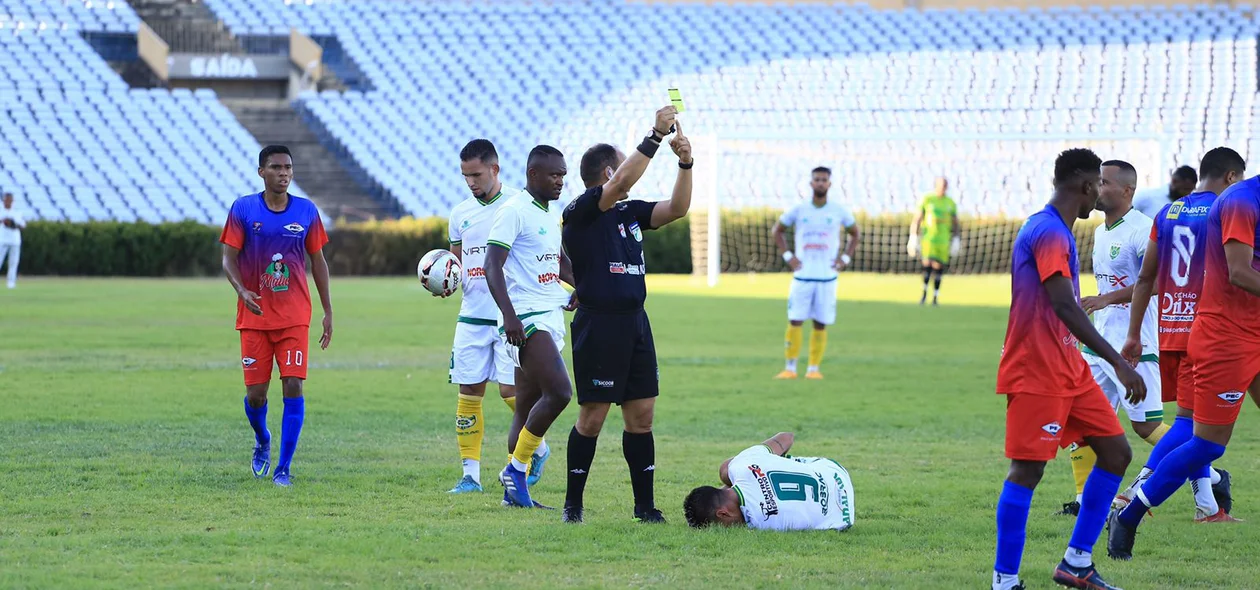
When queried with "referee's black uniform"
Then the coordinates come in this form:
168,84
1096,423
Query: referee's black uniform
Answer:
614,357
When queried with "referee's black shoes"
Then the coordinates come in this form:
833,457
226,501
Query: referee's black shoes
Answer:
649,515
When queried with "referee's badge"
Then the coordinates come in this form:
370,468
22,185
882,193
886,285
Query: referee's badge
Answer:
634,231
622,229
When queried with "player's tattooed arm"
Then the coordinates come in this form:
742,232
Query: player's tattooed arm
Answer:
780,443
1063,301
1141,299
1238,257
232,268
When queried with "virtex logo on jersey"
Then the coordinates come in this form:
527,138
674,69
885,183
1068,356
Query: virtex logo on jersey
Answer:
276,276
475,250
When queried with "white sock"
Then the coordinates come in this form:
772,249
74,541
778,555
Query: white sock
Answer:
542,448
1216,475
812,369
791,365
1078,558
472,468
518,465
1203,496
1004,581
1078,498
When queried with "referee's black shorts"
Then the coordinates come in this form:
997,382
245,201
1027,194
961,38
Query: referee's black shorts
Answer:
614,357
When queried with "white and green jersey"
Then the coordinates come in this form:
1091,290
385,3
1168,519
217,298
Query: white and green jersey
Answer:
782,494
531,233
1118,252
469,227
818,232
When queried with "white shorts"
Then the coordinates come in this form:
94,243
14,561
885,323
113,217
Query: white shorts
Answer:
551,322
479,355
1150,409
812,300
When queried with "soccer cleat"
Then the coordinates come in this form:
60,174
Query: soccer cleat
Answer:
1072,508
573,514
1123,499
1087,578
923,299
651,515
515,489
1220,516
536,465
1120,538
786,374
540,506
282,478
465,486
262,460
813,375
1223,491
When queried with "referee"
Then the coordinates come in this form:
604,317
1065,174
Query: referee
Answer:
614,358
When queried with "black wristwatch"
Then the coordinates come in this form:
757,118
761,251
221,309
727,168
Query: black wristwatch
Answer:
686,166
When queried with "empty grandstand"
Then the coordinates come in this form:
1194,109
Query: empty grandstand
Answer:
888,98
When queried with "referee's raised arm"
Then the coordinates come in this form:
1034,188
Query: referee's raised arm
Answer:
583,211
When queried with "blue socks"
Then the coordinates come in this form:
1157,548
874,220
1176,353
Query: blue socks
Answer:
1180,433
258,421
1012,523
1189,459
1100,488
294,414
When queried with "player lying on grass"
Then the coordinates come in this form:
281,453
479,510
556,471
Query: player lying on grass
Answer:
767,489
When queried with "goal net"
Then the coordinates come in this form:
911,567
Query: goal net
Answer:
996,182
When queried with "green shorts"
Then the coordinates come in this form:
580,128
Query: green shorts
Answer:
937,250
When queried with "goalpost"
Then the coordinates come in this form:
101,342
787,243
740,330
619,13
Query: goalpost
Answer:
996,180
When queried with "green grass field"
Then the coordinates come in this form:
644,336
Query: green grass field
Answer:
124,450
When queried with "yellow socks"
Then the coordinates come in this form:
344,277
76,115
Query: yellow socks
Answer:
1153,439
1083,459
511,403
526,444
817,346
468,427
792,346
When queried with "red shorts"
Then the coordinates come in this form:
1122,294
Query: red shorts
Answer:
288,348
1221,380
1037,426
1177,378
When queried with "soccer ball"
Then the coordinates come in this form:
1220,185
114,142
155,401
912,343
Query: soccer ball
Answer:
440,272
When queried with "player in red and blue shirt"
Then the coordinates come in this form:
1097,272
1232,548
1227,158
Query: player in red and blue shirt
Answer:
266,241
1225,346
1173,267
1051,397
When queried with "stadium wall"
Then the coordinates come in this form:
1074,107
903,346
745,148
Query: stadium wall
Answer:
109,248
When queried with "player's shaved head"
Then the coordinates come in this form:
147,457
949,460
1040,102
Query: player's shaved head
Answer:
941,185
597,161
1125,173
1221,161
1117,182
544,172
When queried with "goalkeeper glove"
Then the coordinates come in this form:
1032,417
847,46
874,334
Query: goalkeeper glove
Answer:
912,246
955,245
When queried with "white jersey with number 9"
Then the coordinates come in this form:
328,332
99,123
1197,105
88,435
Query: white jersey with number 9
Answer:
802,493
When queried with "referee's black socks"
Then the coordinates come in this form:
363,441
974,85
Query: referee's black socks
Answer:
581,454
640,451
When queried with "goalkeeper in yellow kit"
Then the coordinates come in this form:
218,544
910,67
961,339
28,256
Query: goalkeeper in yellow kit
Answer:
937,217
